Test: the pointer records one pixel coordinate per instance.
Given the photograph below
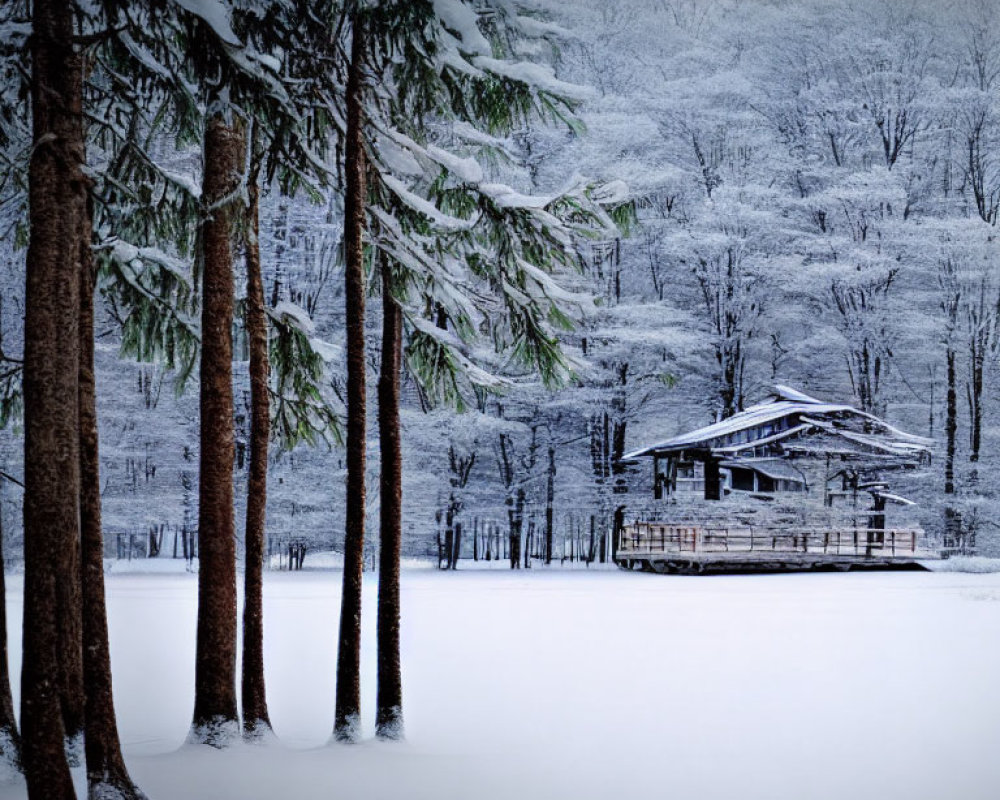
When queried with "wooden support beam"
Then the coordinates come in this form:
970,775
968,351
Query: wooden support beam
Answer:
713,480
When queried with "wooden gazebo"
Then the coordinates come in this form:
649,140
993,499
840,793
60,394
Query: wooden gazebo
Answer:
791,483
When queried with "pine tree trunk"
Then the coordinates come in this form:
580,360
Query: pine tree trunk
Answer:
10,739
256,723
106,772
71,655
57,192
389,703
215,717
347,722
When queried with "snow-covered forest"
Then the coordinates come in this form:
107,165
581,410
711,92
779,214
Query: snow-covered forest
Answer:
808,193
369,281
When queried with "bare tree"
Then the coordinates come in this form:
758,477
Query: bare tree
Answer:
865,323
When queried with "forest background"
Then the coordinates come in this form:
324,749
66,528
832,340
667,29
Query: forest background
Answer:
815,188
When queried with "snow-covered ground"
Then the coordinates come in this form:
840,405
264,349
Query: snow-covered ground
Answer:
576,685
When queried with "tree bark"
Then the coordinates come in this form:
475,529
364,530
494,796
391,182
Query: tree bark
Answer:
347,723
215,717
389,702
256,723
106,772
57,196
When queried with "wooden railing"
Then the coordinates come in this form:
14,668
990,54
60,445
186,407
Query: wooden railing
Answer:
648,538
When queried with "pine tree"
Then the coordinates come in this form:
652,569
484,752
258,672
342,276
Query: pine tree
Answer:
85,680
453,245
58,196
215,716
256,723
347,715
107,776
170,52
389,696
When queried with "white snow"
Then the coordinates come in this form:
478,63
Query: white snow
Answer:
471,134
397,159
465,169
294,315
425,207
328,351
463,20
533,26
587,685
216,14
538,76
185,182
506,197
611,192
980,564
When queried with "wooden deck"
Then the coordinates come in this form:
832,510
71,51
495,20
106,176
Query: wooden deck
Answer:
685,548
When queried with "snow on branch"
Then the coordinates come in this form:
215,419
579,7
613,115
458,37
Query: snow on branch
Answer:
215,14
425,207
537,76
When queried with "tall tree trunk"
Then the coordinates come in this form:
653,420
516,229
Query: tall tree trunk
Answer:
389,702
57,196
516,514
449,533
10,739
71,655
256,723
107,776
549,504
977,361
347,717
952,517
215,718
950,425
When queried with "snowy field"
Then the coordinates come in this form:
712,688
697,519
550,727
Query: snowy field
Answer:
590,685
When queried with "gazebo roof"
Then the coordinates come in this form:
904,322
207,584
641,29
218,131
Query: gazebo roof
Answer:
813,416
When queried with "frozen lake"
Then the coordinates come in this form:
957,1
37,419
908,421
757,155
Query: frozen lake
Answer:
589,685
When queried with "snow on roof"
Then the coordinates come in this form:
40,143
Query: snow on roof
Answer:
777,437
782,392
773,468
785,401
895,498
890,446
760,414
